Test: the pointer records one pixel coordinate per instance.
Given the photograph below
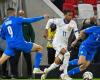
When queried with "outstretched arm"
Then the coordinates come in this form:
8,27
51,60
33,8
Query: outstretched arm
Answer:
31,20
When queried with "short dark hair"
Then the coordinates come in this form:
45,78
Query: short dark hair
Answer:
10,9
67,11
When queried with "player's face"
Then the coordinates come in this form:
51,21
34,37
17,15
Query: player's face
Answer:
68,16
14,13
21,13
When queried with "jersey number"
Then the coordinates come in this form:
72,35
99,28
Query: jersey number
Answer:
64,33
10,31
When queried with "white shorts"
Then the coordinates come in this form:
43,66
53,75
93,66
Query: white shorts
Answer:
58,47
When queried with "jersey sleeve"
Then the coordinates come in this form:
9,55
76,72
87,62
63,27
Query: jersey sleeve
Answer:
89,30
74,27
29,20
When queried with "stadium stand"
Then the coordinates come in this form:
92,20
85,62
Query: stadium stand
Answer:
98,11
85,11
69,6
74,2
93,2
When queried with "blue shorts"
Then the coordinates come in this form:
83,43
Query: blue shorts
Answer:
23,46
87,53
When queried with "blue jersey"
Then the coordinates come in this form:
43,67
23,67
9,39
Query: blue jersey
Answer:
93,40
11,29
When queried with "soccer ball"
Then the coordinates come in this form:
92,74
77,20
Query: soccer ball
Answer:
87,76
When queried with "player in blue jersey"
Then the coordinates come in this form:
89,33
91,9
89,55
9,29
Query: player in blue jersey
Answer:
11,31
87,50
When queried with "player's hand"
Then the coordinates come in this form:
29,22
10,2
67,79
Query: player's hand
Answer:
46,16
74,43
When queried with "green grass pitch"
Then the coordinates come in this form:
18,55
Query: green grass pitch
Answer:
46,79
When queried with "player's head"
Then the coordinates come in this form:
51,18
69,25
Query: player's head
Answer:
21,13
11,12
53,27
89,22
68,14
93,20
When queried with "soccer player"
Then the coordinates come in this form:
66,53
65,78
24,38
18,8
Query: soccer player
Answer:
64,27
87,49
49,37
11,31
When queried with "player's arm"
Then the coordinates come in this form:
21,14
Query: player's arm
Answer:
73,25
81,36
76,31
47,27
85,32
31,20
90,29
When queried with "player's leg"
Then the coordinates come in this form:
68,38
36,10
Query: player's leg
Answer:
51,55
32,47
73,62
82,67
87,60
64,75
54,65
28,60
3,58
38,49
81,61
6,55
14,60
84,60
59,57
66,61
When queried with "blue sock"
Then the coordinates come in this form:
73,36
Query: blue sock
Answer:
73,62
74,71
38,58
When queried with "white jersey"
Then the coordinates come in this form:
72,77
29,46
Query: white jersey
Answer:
63,30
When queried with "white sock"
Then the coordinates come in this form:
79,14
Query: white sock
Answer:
52,66
66,61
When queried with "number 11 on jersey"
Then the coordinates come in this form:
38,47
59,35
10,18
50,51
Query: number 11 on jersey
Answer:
64,33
